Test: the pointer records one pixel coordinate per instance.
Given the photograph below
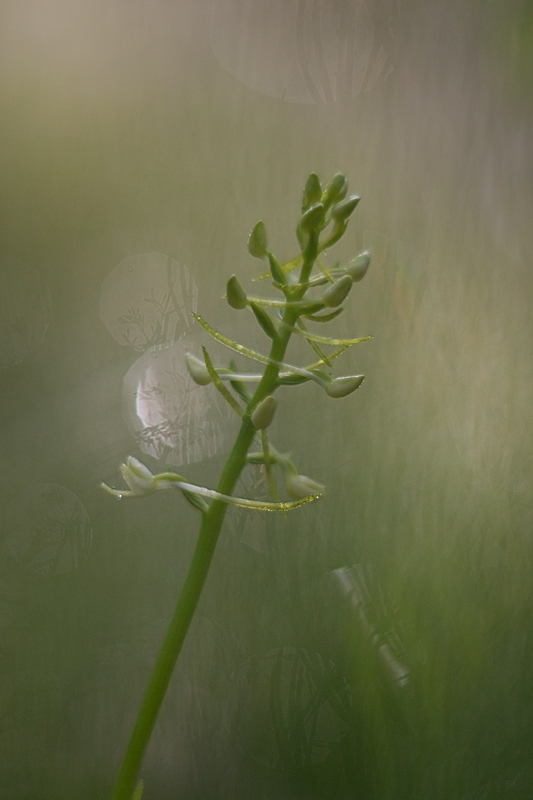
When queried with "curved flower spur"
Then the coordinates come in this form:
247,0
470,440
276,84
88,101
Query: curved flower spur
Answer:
311,292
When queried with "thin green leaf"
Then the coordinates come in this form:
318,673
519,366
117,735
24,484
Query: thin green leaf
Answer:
220,386
324,270
245,351
325,339
324,317
238,348
312,344
335,354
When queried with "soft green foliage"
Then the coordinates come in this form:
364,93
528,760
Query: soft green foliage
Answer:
257,413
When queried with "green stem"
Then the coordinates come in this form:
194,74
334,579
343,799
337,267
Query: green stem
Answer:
205,547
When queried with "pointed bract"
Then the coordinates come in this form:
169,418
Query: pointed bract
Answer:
235,294
257,241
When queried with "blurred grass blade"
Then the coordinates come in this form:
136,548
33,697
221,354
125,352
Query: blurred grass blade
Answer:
138,793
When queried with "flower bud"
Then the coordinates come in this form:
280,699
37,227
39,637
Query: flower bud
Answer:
345,208
340,387
197,370
138,477
264,413
336,292
312,192
257,241
313,217
235,293
357,268
335,190
299,486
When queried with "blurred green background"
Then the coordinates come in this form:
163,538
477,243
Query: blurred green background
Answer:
379,644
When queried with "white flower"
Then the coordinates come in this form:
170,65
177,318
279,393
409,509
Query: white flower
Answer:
138,477
197,370
299,486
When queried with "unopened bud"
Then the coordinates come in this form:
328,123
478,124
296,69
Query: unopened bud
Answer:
313,217
341,387
345,208
264,413
197,370
257,241
357,268
312,191
335,190
299,486
235,293
336,292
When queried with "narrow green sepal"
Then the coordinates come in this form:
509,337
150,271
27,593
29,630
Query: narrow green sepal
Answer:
257,241
312,192
235,294
264,320
276,271
358,268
